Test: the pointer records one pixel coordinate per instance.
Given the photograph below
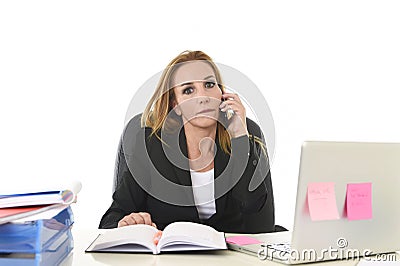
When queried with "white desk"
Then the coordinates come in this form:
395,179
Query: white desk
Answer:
83,238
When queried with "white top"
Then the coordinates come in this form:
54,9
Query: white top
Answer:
203,192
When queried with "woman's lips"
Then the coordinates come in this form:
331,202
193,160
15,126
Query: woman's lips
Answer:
205,111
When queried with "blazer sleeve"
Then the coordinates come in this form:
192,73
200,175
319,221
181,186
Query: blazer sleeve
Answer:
128,196
254,185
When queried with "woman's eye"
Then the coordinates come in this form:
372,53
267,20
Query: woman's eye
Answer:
209,84
188,90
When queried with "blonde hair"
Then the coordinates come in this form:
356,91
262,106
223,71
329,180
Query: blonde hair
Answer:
161,103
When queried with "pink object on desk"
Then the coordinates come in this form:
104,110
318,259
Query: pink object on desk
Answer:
322,201
359,201
242,240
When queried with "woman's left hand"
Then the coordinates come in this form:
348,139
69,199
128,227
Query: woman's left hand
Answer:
157,237
237,124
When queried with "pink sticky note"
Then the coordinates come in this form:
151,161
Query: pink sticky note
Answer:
322,201
359,201
242,240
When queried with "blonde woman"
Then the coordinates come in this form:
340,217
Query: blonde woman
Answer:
194,157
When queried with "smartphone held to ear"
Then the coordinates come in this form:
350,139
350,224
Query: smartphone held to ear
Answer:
229,113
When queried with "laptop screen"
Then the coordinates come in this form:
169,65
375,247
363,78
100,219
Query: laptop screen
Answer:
347,199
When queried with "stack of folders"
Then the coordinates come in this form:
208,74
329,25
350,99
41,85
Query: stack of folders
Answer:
35,227
38,242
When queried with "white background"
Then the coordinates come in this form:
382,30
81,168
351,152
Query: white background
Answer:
330,70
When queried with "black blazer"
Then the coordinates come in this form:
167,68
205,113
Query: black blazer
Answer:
143,164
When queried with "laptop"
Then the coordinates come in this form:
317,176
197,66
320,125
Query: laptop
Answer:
352,233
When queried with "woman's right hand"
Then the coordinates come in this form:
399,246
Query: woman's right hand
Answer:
136,218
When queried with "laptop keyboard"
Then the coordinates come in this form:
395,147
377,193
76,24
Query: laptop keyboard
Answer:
281,247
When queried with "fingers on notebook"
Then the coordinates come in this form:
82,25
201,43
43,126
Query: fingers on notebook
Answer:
157,237
136,218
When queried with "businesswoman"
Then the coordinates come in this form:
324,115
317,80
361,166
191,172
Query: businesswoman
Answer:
194,157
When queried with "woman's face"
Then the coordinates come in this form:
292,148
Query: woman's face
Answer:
197,94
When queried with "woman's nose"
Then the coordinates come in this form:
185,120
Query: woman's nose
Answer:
202,96
203,99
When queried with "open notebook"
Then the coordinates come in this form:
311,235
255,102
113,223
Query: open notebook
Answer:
178,236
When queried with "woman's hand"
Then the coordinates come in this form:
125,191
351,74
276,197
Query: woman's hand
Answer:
237,124
157,237
136,218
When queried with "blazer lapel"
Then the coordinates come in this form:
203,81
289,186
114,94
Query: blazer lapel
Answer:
220,162
182,170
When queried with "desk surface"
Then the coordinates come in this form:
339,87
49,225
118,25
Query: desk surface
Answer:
83,238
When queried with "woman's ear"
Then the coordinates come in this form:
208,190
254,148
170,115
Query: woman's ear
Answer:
176,108
178,111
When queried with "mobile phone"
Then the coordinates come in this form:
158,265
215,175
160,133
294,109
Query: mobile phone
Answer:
229,113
